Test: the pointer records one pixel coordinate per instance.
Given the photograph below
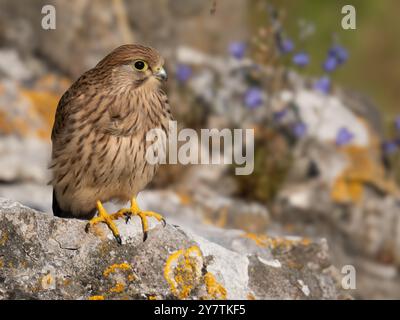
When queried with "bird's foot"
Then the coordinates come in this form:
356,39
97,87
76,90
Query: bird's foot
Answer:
106,218
134,210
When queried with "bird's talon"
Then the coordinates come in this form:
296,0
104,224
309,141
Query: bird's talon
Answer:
106,218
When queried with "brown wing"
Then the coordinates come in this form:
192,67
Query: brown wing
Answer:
61,115
70,103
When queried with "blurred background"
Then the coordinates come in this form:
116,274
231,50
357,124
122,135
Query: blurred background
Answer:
324,103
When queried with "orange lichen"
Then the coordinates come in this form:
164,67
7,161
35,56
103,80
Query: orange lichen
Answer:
264,241
364,168
260,240
305,241
34,107
53,82
96,298
120,283
5,124
131,277
184,198
67,282
118,288
251,296
113,268
43,105
214,289
183,271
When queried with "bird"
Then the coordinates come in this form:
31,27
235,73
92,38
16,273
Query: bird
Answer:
99,137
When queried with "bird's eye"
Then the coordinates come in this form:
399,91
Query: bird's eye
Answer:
140,65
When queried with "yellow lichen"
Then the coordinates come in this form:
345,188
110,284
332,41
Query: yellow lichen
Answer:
67,282
4,238
113,268
96,298
118,288
305,241
120,283
5,124
152,297
260,240
364,168
183,271
43,106
283,243
184,198
214,289
47,282
131,277
251,296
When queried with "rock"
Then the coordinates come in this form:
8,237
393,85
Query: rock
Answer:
11,66
43,257
205,210
24,160
326,115
86,31
345,195
26,118
31,194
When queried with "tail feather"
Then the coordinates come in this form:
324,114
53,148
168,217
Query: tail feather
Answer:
58,212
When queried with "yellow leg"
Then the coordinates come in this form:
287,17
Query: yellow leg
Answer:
134,210
103,216
106,218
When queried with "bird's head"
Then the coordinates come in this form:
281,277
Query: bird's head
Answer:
135,65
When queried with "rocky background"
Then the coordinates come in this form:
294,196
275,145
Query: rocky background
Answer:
323,195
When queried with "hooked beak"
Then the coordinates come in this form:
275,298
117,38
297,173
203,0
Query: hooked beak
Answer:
161,74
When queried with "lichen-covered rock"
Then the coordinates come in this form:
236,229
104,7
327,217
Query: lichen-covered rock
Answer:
345,195
43,257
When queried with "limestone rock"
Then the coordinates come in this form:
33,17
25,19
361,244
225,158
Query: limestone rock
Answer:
42,257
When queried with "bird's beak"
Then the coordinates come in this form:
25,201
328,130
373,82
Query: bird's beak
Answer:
161,74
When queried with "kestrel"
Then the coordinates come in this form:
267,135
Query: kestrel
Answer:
99,136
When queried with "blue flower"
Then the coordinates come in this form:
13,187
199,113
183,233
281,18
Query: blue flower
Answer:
339,53
323,85
253,98
301,59
279,115
390,147
286,46
330,64
344,136
183,72
299,129
237,49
